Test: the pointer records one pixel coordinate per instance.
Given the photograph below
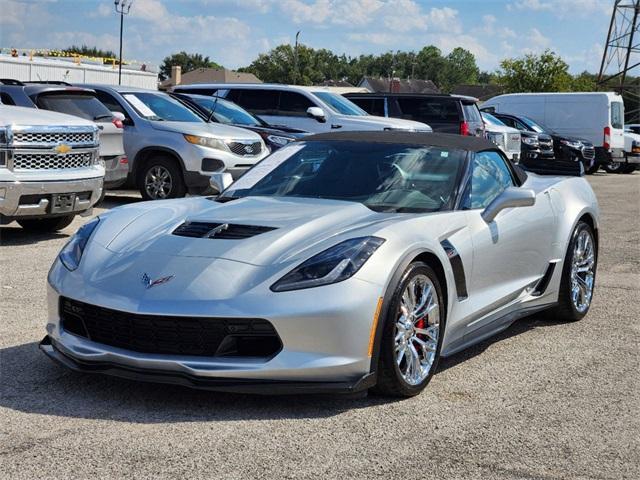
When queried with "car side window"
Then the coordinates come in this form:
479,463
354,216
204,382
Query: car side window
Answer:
509,122
294,104
377,107
111,103
260,102
490,176
471,112
6,99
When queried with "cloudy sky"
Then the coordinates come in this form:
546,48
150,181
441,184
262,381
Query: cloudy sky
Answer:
233,32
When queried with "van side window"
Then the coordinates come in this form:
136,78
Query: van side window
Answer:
617,115
294,104
263,102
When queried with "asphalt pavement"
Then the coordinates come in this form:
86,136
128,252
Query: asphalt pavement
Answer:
543,400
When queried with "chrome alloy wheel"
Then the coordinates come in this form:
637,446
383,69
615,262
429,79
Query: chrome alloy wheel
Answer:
158,182
417,330
582,271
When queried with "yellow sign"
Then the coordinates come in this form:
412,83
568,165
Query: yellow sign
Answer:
62,148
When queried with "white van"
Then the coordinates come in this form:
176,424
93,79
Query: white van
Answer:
313,109
594,116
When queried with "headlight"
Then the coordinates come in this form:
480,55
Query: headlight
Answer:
532,141
330,266
571,144
71,253
278,140
206,142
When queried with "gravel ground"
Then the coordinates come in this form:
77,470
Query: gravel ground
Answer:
540,401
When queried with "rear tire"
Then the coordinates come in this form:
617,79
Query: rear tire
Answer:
43,225
161,178
629,168
578,275
412,333
614,167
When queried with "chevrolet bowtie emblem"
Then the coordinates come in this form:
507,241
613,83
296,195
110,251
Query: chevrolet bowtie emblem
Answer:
62,148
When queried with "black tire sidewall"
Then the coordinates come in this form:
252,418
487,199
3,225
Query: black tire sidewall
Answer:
387,357
178,187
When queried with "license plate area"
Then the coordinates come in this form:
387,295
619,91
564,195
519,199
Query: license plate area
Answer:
62,202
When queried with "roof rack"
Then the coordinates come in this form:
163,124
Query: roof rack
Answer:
49,82
11,81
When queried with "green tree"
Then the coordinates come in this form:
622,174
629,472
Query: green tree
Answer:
460,68
188,62
546,72
91,52
584,82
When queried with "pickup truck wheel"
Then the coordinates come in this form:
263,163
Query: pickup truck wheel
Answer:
614,167
46,224
629,168
161,179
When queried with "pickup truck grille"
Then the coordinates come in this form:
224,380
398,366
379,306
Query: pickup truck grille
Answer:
546,145
51,161
245,149
588,153
44,139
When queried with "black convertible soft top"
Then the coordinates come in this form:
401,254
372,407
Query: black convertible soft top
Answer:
443,140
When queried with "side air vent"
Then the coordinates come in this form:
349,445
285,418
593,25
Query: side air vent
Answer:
222,231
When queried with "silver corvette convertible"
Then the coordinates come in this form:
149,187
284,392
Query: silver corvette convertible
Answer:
340,263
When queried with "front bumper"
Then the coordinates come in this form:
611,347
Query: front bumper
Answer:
632,158
38,192
197,157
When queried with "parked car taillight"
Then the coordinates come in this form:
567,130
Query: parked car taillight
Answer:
117,122
464,128
124,160
606,144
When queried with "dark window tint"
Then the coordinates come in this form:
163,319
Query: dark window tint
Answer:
429,110
490,176
471,112
373,106
111,103
84,106
509,122
256,101
292,103
198,91
5,99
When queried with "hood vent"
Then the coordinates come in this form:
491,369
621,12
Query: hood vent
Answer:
221,231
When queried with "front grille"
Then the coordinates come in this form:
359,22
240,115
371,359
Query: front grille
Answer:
222,231
171,335
513,142
546,145
588,153
54,138
51,161
245,149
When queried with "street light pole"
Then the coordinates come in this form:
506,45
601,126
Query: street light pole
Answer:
122,7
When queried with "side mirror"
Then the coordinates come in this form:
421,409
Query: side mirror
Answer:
118,116
316,113
219,181
512,197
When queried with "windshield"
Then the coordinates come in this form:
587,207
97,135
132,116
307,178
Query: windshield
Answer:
383,177
227,112
488,118
84,106
340,104
160,107
536,127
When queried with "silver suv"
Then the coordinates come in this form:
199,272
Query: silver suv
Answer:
49,168
171,149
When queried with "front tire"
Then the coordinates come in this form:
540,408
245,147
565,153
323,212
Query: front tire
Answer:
578,275
614,167
412,333
44,225
160,179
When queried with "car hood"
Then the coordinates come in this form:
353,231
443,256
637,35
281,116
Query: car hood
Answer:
299,227
490,127
207,129
385,122
275,131
557,137
10,115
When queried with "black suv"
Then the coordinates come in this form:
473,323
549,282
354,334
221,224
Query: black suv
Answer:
443,113
564,148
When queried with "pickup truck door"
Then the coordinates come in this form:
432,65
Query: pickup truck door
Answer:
513,251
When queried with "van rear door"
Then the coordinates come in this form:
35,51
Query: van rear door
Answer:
616,117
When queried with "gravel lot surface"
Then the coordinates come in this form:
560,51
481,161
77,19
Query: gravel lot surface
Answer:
541,401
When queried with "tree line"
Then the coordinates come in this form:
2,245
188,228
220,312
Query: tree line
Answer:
544,72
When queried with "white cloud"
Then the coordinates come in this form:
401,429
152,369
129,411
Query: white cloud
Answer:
538,40
562,8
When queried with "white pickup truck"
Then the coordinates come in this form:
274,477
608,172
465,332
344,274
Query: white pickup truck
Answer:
49,168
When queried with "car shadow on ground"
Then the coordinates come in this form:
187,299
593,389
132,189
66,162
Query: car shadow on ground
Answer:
32,383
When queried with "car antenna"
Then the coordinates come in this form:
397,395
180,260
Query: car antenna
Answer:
213,109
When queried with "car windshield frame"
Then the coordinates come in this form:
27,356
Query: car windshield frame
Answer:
536,126
144,110
339,104
215,102
398,166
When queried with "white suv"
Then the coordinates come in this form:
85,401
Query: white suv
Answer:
313,109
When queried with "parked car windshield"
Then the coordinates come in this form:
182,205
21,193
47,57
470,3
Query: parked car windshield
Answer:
490,119
79,105
535,126
227,112
340,104
160,107
383,177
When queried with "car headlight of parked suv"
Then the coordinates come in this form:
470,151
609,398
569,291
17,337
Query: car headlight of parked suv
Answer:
532,141
278,140
572,144
209,142
71,253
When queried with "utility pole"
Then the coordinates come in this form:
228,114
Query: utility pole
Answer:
122,7
295,60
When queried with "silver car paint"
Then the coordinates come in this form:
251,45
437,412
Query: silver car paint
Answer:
324,330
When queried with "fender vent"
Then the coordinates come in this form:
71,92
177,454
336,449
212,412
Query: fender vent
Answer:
221,231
